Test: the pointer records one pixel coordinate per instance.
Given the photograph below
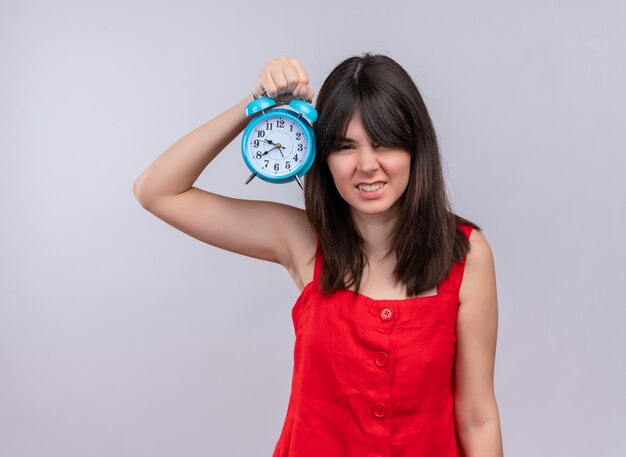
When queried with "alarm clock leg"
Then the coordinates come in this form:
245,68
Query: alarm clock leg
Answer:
299,182
250,178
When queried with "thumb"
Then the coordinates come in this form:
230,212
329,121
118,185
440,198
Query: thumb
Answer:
306,92
258,87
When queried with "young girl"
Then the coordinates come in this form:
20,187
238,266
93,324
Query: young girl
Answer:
396,322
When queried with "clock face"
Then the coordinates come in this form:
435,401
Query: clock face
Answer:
277,145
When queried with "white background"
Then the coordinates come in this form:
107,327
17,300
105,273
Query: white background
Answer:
121,336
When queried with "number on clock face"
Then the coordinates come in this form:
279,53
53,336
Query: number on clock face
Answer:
277,145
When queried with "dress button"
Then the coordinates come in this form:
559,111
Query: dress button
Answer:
382,359
379,410
386,313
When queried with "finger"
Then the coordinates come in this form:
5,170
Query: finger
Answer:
291,76
278,79
303,89
267,83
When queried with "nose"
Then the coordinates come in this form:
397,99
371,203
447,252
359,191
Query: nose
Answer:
368,162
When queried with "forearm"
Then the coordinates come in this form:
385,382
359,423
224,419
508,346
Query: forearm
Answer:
484,440
176,169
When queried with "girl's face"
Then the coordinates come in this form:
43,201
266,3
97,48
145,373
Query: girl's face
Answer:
370,178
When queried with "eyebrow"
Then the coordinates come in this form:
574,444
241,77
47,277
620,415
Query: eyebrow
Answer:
349,140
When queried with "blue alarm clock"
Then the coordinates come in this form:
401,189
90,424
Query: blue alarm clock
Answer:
278,145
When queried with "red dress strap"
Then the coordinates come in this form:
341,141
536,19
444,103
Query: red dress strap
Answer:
319,261
467,230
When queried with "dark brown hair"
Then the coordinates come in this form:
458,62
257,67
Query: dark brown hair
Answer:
426,239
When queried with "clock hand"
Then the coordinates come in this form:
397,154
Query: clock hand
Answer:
278,145
268,151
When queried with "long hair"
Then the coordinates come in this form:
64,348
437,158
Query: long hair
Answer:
426,238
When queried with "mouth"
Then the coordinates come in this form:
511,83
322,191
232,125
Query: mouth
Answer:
370,187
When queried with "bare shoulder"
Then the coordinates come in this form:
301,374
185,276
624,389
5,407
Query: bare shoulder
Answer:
479,266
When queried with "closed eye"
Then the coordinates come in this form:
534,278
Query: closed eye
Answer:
346,146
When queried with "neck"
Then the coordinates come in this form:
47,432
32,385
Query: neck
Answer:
376,232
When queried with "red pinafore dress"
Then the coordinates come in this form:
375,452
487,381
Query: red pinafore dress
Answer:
372,378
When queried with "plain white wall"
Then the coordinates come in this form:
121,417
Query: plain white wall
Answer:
121,336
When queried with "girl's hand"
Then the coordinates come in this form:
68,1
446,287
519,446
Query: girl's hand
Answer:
284,79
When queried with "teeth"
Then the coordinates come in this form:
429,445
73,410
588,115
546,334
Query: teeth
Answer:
370,188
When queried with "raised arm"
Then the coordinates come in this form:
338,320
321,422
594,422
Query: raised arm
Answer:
265,230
